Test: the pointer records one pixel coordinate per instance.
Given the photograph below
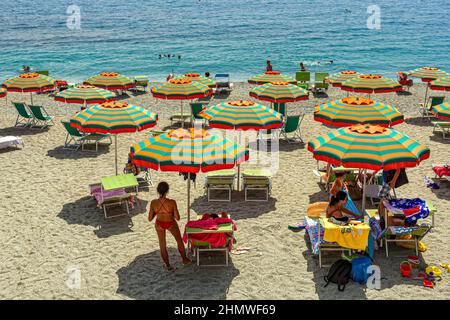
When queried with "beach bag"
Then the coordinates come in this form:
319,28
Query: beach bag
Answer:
339,273
359,269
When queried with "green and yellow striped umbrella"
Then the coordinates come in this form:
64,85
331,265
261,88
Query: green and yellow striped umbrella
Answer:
197,77
352,110
368,147
189,151
427,74
3,92
114,117
29,82
111,81
337,79
279,92
271,76
242,115
85,94
441,84
442,111
370,83
181,89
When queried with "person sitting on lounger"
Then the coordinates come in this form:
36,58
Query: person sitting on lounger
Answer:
166,212
302,67
268,66
336,211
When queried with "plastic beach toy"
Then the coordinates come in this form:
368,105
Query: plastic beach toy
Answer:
414,261
405,269
433,271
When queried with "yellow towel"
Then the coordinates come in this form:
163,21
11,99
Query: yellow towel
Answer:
352,236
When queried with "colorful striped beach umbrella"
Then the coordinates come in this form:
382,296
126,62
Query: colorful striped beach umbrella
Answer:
29,82
242,115
111,81
353,110
427,74
337,79
85,94
181,89
279,92
197,77
442,111
440,84
189,151
271,76
114,118
370,83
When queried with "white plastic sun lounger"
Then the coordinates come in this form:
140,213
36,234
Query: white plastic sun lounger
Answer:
10,141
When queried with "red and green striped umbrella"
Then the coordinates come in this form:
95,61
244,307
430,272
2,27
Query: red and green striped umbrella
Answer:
189,151
111,81
442,111
427,74
114,118
279,92
337,79
85,94
440,84
353,110
29,82
370,83
368,147
242,115
197,77
3,92
271,76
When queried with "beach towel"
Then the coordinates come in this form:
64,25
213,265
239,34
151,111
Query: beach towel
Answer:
352,236
442,170
412,209
312,227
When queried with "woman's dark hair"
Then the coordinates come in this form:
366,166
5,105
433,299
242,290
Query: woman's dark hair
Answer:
162,188
339,174
340,195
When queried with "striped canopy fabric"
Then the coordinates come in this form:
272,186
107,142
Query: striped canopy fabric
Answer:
114,117
370,83
29,82
197,77
85,94
242,115
181,89
271,76
427,74
279,92
111,81
441,84
3,92
353,110
190,150
337,79
442,111
368,147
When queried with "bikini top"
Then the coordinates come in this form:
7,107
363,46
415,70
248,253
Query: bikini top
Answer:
161,202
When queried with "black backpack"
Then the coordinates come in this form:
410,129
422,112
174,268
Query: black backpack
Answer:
340,273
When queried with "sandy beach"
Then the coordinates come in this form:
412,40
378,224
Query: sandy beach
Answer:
51,224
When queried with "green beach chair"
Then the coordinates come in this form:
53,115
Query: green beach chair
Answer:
43,72
79,139
280,107
257,180
155,133
443,126
221,180
303,78
140,82
431,102
292,126
320,81
196,108
41,117
24,118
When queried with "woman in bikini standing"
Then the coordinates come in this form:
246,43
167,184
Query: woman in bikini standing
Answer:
166,213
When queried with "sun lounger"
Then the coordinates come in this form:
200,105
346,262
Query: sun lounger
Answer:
223,83
303,78
76,139
431,102
140,82
257,180
41,117
320,82
441,172
178,117
157,132
443,126
24,117
196,108
10,141
221,180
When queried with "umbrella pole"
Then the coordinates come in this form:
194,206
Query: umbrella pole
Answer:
182,119
115,142
364,193
426,93
189,196
31,97
239,166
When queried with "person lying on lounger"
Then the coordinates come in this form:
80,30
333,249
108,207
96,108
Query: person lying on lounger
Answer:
336,211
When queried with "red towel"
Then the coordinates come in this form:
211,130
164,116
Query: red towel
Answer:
441,171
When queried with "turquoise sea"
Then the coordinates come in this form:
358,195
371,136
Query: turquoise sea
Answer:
233,36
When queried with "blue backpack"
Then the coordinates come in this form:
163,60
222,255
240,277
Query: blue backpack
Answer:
359,269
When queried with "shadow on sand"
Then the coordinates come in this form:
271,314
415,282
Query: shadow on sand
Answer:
89,152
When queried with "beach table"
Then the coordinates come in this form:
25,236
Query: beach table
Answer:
200,246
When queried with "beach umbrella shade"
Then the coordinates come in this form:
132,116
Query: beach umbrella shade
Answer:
353,110
368,147
85,94
337,79
442,111
371,83
427,74
114,118
442,84
197,77
188,151
29,82
271,76
279,92
111,81
181,89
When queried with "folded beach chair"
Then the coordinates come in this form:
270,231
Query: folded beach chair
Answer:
292,127
41,117
303,78
221,180
431,102
223,83
443,126
280,108
24,118
10,141
320,82
196,108
76,139
257,180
